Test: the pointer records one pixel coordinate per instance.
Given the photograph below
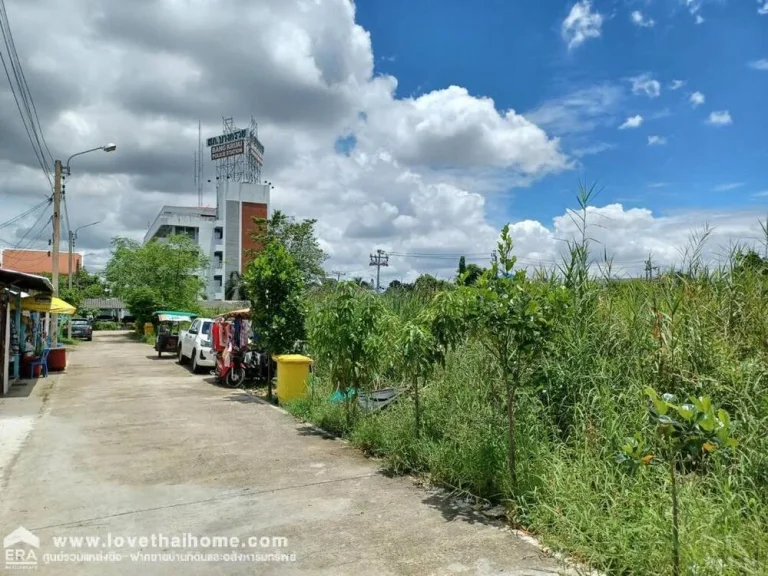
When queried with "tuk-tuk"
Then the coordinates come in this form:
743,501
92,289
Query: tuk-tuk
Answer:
167,328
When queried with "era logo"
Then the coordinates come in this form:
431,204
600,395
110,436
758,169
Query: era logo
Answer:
19,549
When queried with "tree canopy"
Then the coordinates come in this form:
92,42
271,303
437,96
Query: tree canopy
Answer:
299,240
160,274
275,285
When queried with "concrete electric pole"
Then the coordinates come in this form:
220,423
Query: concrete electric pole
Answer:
379,259
55,248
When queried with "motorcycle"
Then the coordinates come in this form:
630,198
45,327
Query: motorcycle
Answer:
244,365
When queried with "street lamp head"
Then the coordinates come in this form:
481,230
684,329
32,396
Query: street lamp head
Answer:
110,147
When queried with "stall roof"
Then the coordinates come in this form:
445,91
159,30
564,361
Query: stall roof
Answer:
243,313
24,281
174,316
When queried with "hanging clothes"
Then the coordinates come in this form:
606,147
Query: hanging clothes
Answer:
245,331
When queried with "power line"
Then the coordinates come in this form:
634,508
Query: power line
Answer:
21,80
24,214
24,96
40,233
32,228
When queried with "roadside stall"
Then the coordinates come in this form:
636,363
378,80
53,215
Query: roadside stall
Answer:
13,285
230,335
168,325
40,338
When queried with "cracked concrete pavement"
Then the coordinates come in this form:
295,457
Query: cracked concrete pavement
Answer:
131,445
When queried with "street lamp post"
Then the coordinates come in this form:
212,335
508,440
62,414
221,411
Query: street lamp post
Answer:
58,170
72,238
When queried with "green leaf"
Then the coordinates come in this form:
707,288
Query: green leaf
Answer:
707,423
686,411
660,406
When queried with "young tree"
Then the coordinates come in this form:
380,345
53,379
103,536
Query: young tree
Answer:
688,435
347,333
299,240
275,286
511,317
423,343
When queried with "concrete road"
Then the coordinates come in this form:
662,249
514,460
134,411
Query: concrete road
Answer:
136,449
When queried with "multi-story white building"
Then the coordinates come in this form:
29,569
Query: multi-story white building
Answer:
223,232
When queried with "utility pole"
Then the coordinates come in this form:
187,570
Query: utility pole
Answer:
55,248
338,275
71,238
649,268
69,266
494,260
379,259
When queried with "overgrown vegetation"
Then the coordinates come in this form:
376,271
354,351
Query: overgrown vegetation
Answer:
542,382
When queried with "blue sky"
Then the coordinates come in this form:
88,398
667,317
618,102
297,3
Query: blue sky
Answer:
414,127
516,54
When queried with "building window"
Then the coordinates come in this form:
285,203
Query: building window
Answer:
218,233
190,231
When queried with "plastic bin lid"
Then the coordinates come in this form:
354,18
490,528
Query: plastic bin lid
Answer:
294,359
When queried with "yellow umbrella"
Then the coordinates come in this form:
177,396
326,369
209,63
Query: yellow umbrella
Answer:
47,303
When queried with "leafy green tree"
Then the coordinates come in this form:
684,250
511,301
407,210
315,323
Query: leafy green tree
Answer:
347,332
688,434
299,240
84,285
511,317
275,285
159,274
422,343
462,268
418,350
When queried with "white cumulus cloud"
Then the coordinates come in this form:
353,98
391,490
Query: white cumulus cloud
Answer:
763,10
721,118
632,122
656,141
676,84
697,99
761,64
639,20
581,24
645,84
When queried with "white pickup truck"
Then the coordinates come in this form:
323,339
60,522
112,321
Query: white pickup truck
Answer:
195,345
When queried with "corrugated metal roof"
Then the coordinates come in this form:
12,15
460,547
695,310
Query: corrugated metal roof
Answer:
24,281
113,303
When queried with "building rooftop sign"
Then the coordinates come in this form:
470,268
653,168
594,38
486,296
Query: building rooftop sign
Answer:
229,149
231,137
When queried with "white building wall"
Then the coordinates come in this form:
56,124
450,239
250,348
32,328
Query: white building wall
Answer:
215,276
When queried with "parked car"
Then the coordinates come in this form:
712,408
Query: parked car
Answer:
82,329
195,345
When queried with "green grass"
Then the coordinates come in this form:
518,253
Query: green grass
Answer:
580,402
